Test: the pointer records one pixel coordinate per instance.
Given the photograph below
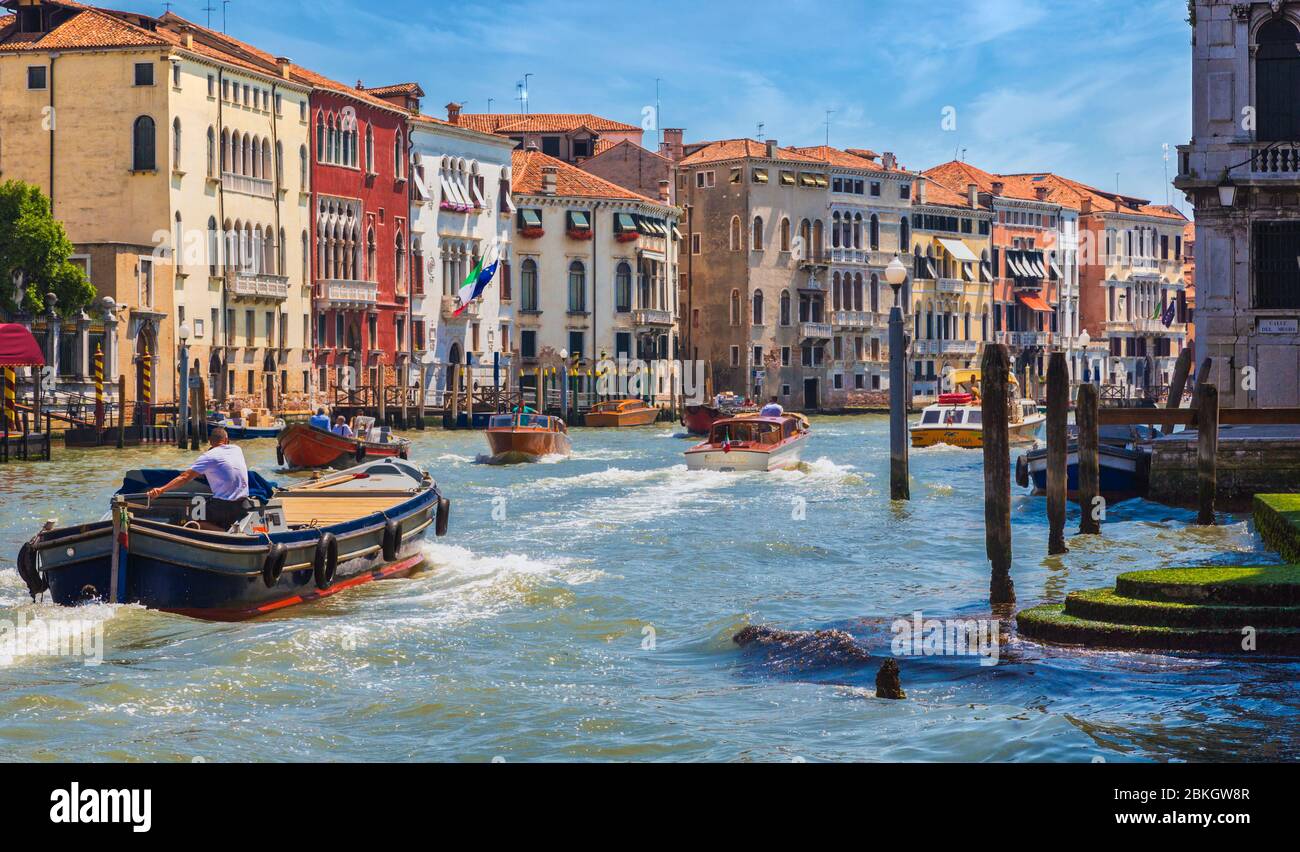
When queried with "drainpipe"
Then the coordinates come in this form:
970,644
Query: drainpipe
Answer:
223,242
53,119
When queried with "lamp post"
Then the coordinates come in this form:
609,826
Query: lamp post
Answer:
183,393
899,486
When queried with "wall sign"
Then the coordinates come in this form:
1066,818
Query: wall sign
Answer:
1279,326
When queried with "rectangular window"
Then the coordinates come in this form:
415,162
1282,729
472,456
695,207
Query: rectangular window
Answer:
551,146
875,189
705,180
1276,273
785,356
528,343
695,243
623,344
176,74
144,73
250,326
36,77
577,343
212,85
735,356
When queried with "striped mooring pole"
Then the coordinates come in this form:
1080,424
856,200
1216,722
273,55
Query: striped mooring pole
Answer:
10,400
99,387
146,386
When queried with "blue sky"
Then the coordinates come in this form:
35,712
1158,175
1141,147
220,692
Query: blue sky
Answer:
1088,88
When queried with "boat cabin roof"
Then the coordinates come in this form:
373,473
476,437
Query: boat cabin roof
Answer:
619,405
542,422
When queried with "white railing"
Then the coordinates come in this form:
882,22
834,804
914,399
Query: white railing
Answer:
1283,159
960,347
815,331
855,319
258,286
260,187
950,285
648,316
349,292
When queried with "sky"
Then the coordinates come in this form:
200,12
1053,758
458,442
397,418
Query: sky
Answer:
1092,89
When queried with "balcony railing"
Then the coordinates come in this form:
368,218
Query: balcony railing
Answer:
857,319
648,317
815,331
1280,160
950,285
450,304
341,293
961,347
260,187
257,286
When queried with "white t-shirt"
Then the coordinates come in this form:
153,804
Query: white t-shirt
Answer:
226,471
772,410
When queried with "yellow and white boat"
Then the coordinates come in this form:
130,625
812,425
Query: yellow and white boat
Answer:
957,419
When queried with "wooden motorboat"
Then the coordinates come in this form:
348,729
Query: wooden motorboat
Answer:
622,412
957,418
517,438
242,429
304,447
293,546
699,419
751,443
1123,458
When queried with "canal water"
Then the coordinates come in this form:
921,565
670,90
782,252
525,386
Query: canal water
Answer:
584,610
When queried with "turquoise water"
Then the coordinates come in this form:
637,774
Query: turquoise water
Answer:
583,610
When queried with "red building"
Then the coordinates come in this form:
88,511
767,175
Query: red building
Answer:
360,204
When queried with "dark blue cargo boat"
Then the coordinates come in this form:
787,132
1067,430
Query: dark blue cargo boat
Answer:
294,545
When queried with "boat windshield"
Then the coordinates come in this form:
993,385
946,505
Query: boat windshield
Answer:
746,433
975,415
930,417
501,421
534,421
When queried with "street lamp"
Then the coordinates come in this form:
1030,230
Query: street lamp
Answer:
1227,190
899,487
183,393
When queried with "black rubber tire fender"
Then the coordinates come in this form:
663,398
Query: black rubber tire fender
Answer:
273,565
326,561
392,539
1022,471
279,455
360,453
443,517
35,580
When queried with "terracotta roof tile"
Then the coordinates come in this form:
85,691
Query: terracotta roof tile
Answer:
847,159
89,28
412,89
571,181
740,149
542,122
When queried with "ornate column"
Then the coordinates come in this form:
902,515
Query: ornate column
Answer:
53,329
82,349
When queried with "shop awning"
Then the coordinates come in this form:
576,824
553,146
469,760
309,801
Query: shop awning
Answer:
1055,269
986,273
624,223
530,218
1034,303
18,348
578,220
959,250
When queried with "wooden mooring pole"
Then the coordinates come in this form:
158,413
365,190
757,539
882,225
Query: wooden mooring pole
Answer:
1058,415
996,403
419,399
1085,417
121,411
1207,449
1182,370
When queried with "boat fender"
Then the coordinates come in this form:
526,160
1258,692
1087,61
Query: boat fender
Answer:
273,566
361,453
444,514
36,582
279,455
392,539
1022,471
326,561
404,453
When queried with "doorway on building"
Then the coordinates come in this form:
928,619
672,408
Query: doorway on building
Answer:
146,391
268,381
810,395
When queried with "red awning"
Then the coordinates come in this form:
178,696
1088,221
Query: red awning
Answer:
18,348
1034,303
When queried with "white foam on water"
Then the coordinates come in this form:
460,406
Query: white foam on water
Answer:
611,476
460,586
45,632
608,455
821,471
458,459
665,491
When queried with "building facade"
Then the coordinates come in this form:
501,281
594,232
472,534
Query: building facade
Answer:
1241,172
595,271
571,137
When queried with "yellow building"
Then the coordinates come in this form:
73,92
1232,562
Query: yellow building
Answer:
952,285
176,159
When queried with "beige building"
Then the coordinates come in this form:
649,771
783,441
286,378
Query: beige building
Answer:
595,269
784,246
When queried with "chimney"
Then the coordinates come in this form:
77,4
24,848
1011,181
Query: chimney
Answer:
665,195
1085,207
771,149
888,160
973,194
550,176
360,86
284,63
998,187
1041,192
671,147
919,194
1117,204
187,37
453,113
531,146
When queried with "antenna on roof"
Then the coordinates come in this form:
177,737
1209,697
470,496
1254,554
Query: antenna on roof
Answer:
489,109
1168,199
761,125
659,125
209,9
167,8
522,97
829,113
224,4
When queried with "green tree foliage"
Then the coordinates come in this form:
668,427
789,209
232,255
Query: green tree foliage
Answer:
33,242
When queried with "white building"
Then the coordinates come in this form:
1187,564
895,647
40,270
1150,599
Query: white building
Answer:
460,213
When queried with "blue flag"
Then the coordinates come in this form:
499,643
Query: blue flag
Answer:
1170,313
485,277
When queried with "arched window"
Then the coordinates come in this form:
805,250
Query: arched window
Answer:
835,230
875,294
320,137
372,267
176,144
785,307
857,230
785,235
875,232
178,242
805,234
214,250
306,259
400,262
577,287
857,292
279,164
143,150
756,239
623,288
1277,79
399,157
370,148
758,308
835,292
212,151
818,247
528,284
267,166
736,242
904,235
735,307
302,168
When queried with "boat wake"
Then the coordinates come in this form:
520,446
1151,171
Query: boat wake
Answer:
821,471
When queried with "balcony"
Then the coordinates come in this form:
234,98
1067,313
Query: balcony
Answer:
1281,160
857,320
961,347
248,285
815,331
950,285
652,319
335,293
259,187
450,304
815,261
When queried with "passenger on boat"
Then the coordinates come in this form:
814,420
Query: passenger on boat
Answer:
772,409
320,420
342,428
227,473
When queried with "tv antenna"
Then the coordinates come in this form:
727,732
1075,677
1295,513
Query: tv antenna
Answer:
224,4
761,125
829,113
209,9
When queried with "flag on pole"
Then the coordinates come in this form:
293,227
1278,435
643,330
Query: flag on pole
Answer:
1170,313
476,282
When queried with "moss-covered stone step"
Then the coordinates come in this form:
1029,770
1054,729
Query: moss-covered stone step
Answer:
1109,606
1052,624
1261,585
1277,517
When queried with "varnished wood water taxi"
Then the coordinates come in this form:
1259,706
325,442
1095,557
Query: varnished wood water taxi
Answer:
526,437
751,443
622,412
304,447
957,419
